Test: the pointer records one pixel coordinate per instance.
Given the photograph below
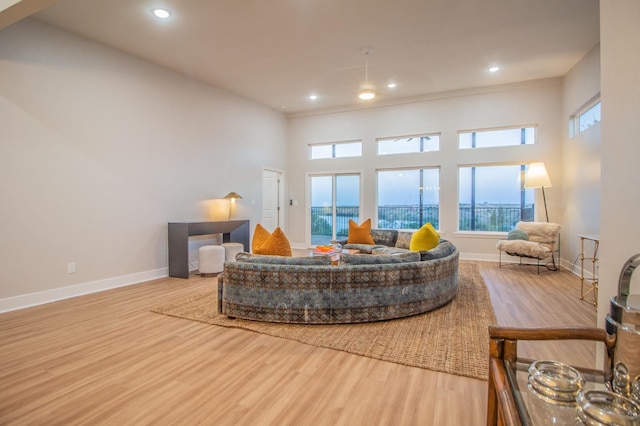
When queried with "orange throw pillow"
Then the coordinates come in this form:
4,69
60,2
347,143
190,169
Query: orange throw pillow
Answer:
260,235
360,234
276,244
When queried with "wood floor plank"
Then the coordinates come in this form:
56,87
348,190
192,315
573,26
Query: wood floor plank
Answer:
105,358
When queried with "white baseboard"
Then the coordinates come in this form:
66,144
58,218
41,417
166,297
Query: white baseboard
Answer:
512,260
48,296
479,257
34,299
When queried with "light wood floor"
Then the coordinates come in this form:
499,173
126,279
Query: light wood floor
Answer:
106,359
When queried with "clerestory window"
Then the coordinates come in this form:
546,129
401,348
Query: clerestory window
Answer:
335,150
409,144
487,138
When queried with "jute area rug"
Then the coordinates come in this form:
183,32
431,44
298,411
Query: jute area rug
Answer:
452,339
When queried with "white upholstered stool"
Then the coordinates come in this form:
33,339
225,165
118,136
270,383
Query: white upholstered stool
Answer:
210,260
231,250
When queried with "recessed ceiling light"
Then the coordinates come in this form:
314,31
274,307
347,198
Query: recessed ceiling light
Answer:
494,69
391,85
161,13
313,97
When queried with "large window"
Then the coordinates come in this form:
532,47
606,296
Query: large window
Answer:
408,198
335,198
488,138
491,198
335,150
407,145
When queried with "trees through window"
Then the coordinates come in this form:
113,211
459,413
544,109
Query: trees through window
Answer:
491,198
408,198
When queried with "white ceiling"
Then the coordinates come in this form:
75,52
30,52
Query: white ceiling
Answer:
277,52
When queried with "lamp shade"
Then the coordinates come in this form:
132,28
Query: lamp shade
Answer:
233,196
219,210
537,176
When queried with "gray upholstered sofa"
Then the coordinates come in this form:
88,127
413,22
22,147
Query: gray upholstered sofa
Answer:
387,241
361,288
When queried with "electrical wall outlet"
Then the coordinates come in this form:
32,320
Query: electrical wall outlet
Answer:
71,268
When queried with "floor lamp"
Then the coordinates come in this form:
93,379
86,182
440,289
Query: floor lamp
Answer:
537,177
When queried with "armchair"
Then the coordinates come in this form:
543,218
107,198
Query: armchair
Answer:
532,240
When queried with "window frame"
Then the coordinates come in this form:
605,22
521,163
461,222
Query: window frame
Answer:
395,138
495,129
408,168
527,212
574,119
334,176
333,149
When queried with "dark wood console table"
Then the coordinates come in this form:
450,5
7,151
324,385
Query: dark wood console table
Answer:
179,233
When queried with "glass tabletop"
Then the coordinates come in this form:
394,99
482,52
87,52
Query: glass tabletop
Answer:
536,410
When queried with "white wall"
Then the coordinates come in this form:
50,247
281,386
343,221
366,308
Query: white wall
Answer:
537,102
620,206
99,150
581,168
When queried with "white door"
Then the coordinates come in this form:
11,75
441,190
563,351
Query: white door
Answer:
271,200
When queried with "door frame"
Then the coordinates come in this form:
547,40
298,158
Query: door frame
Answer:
281,194
309,175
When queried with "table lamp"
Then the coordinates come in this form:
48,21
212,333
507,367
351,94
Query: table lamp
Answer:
232,197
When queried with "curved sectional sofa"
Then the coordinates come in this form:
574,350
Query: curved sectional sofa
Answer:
362,288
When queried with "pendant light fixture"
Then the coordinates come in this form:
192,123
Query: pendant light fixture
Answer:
366,91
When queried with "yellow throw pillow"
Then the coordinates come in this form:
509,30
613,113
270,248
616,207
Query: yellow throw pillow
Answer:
424,238
276,244
360,234
260,235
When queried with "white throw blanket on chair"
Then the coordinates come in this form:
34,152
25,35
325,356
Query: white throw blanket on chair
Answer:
543,237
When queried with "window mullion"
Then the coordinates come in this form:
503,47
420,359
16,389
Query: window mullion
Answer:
473,199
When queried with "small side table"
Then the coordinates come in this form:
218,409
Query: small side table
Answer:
508,402
592,282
